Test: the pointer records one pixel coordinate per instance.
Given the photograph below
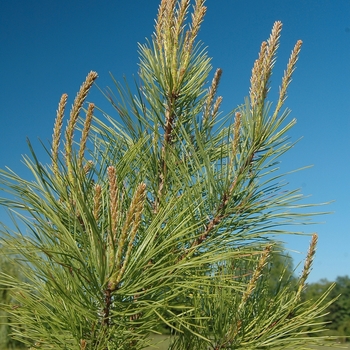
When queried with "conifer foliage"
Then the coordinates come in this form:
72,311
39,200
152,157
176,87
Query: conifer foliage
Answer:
163,214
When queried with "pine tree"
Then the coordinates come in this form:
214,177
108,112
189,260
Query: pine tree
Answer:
162,215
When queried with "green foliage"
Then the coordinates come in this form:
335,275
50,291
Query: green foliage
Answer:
7,268
337,315
339,312
164,216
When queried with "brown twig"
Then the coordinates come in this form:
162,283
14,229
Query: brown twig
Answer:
56,137
74,114
308,263
85,133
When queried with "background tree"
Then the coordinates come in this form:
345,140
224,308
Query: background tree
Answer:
339,311
163,216
280,271
337,314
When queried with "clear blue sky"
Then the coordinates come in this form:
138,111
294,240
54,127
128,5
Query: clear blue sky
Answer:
48,47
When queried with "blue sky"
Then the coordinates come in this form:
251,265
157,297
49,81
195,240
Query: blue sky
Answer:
48,47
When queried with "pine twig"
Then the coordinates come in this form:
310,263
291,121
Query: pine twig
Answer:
56,137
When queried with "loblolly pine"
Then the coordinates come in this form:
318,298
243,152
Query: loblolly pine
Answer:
164,215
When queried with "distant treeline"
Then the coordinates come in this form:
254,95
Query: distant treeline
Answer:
338,317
